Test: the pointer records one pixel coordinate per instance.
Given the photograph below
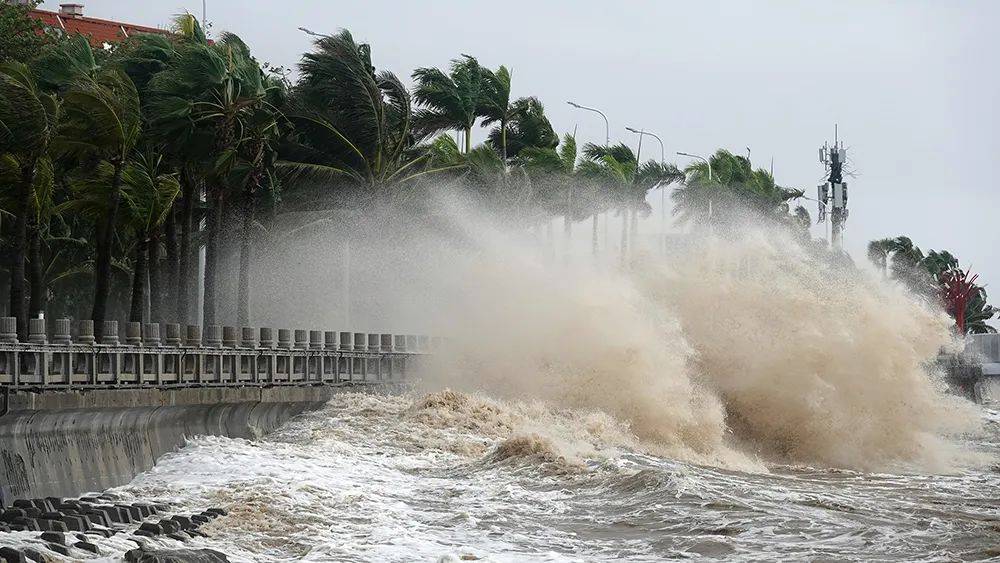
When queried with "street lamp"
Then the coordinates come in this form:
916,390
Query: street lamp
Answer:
313,33
663,188
607,127
653,135
699,158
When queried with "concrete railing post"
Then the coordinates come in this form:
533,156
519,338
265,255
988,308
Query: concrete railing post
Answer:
212,337
411,342
301,341
373,342
229,336
36,331
173,336
8,330
360,339
385,342
330,340
151,334
316,339
63,332
346,340
266,337
109,333
424,342
400,343
192,337
284,338
85,331
133,333
249,337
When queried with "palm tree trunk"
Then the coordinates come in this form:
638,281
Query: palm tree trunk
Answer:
246,231
593,235
35,279
138,279
503,139
153,264
212,257
624,256
18,304
635,228
468,139
568,221
170,241
105,239
183,284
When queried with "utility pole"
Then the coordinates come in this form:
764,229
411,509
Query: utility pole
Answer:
833,194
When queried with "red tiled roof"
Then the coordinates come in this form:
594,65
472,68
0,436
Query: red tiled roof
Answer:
97,30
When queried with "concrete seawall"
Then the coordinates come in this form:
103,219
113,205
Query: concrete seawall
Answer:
71,442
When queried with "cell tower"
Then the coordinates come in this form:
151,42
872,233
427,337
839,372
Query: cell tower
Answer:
832,195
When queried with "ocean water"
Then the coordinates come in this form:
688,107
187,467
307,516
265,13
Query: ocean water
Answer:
450,476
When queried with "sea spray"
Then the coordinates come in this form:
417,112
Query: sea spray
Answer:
752,345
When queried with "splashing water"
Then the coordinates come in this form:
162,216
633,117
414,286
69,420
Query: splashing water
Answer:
744,398
733,353
450,476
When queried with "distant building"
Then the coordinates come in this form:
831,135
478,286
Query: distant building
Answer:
101,33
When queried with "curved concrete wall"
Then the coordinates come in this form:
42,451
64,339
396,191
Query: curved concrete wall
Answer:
67,444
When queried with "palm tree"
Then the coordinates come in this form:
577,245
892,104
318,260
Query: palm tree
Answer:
452,101
254,171
626,181
494,103
354,125
102,121
27,124
207,96
149,193
556,168
527,126
735,186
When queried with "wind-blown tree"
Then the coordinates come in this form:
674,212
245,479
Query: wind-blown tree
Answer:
734,188
495,105
527,126
27,125
626,181
506,190
934,276
150,191
255,172
142,57
453,101
353,127
554,171
207,96
101,122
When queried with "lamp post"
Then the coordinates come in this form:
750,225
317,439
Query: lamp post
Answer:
653,135
607,143
709,177
663,189
313,33
607,127
699,158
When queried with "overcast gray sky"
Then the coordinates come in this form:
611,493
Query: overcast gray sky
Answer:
914,85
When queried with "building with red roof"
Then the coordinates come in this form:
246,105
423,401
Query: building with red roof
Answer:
71,21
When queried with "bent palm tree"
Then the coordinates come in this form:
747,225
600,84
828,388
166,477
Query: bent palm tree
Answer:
451,101
103,122
27,124
354,125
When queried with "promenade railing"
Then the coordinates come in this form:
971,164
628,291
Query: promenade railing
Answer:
145,356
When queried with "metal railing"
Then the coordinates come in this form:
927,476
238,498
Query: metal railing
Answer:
222,356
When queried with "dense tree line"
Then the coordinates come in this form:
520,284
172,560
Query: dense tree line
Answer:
119,166
933,275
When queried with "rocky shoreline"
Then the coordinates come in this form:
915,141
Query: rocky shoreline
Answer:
72,528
